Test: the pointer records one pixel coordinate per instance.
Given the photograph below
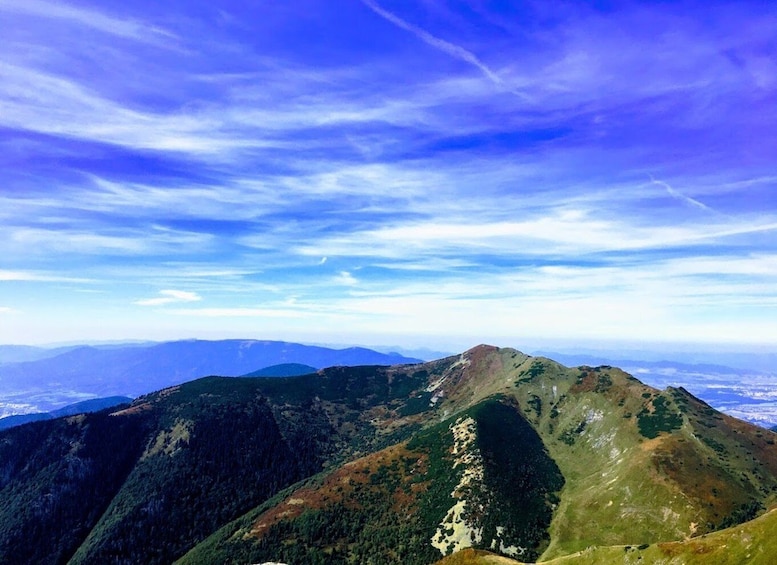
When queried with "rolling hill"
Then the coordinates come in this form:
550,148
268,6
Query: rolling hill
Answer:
512,455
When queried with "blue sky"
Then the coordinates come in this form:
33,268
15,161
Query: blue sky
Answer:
434,172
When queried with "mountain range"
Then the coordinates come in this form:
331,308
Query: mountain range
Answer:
490,456
49,379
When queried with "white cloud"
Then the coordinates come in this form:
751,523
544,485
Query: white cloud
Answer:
17,276
401,164
170,297
70,241
560,231
346,278
36,101
127,28
39,277
446,47
238,121
682,197
155,239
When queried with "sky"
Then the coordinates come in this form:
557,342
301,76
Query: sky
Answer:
427,173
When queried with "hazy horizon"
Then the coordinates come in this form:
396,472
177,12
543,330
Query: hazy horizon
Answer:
695,352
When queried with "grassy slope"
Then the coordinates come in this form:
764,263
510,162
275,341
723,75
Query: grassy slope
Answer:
209,458
640,465
349,515
220,446
598,453
751,543
386,507
699,470
476,557
612,494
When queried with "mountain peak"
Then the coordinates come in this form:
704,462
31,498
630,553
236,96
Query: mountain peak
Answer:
481,349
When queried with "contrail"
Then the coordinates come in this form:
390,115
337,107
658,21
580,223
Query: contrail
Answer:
439,44
680,196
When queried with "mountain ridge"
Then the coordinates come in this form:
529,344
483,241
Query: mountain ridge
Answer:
399,463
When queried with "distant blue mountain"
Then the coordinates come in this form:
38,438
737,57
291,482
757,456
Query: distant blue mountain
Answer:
21,353
83,407
91,405
135,369
19,419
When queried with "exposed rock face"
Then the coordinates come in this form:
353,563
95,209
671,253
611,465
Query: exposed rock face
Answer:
456,532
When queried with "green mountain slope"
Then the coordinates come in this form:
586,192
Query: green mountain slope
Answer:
481,477
220,446
750,543
638,465
194,457
490,449
642,465
57,477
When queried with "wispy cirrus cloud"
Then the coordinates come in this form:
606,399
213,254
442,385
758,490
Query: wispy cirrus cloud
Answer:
32,100
26,276
85,17
560,232
38,101
384,185
682,197
446,47
149,240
